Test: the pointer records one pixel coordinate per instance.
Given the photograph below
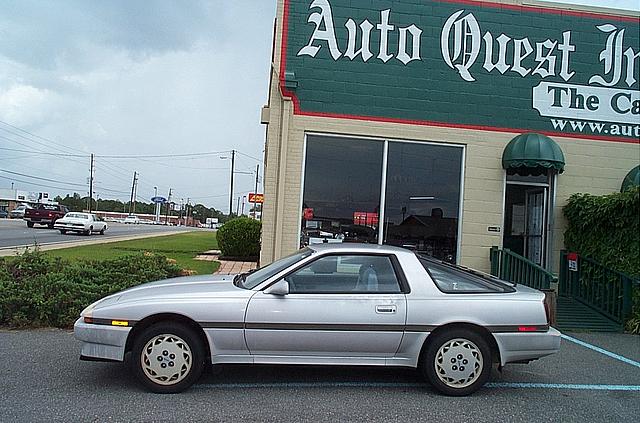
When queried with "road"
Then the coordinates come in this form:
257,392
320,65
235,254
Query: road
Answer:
14,232
43,381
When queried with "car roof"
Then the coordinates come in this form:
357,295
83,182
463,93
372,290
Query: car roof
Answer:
354,247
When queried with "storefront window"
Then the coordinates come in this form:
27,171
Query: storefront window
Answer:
342,183
423,198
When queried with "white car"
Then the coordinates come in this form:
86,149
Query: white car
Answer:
85,223
132,218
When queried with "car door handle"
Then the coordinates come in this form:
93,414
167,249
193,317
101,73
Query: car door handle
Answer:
385,309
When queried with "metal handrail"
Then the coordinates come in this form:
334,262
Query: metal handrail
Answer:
606,290
512,267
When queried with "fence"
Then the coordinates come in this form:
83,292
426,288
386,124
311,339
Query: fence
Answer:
515,268
603,289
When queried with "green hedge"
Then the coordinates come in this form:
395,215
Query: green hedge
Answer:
240,238
607,229
39,290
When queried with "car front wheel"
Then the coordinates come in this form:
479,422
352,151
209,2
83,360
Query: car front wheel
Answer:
63,231
168,357
457,362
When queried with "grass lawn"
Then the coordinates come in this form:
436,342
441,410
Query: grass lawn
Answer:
181,247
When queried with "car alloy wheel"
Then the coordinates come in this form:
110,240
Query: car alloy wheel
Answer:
168,357
457,361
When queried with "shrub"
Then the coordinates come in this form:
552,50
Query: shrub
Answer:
607,229
38,290
240,238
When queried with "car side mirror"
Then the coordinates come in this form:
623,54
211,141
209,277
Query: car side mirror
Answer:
279,288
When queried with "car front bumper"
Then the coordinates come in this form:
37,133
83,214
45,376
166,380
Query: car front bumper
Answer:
520,347
101,342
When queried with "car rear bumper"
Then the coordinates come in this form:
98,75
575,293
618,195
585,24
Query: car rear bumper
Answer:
70,227
101,342
515,347
39,220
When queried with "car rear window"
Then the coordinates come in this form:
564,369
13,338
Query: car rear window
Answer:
452,279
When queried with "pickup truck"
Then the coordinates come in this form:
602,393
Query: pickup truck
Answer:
44,214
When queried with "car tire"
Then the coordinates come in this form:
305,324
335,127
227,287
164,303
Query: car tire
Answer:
50,225
168,357
102,231
457,362
29,224
63,231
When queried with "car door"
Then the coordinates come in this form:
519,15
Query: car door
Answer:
339,305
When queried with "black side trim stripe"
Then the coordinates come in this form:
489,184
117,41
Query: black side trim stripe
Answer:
341,327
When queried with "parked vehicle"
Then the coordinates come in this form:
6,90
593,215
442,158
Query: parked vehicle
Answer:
86,223
132,219
18,212
44,214
4,214
332,304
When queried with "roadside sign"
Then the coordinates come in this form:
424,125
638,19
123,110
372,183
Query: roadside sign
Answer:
256,198
159,199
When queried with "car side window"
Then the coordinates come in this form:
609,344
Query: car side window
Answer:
340,274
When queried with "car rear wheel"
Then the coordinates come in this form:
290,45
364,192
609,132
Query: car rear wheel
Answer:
457,362
63,231
168,357
29,224
102,231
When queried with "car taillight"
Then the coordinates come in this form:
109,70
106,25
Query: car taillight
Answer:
528,328
50,214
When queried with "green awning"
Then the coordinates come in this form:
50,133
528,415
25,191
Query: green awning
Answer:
631,180
532,154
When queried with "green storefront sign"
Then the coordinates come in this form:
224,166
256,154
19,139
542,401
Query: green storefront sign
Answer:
460,63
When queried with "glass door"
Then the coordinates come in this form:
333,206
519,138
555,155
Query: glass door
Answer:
534,234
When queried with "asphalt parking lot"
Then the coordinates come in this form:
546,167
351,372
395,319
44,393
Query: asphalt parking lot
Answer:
43,380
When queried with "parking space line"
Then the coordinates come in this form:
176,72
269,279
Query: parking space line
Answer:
503,385
601,350
586,387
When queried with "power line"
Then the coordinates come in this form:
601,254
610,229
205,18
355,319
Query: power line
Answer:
36,184
41,179
40,152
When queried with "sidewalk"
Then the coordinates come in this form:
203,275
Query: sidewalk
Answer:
227,267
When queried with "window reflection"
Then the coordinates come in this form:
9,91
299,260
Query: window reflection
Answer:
342,183
422,198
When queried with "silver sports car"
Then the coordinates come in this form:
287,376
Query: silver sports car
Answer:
333,304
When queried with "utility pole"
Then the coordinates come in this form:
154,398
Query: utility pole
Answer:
133,187
255,194
186,223
91,185
233,161
166,216
238,207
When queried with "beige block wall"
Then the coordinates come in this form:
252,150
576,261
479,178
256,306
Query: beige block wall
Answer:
596,167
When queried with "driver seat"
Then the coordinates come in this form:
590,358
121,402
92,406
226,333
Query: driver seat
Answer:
367,279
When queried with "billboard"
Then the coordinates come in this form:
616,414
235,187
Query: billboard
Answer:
465,64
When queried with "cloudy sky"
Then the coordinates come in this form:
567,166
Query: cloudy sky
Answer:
144,78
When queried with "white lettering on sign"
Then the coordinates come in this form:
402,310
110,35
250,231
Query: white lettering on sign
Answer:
586,102
464,34
324,32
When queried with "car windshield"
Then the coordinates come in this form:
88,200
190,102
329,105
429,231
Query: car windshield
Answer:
252,279
451,278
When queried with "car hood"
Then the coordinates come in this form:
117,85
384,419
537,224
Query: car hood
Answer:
179,288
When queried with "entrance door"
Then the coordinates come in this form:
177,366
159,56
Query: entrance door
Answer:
526,217
534,235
